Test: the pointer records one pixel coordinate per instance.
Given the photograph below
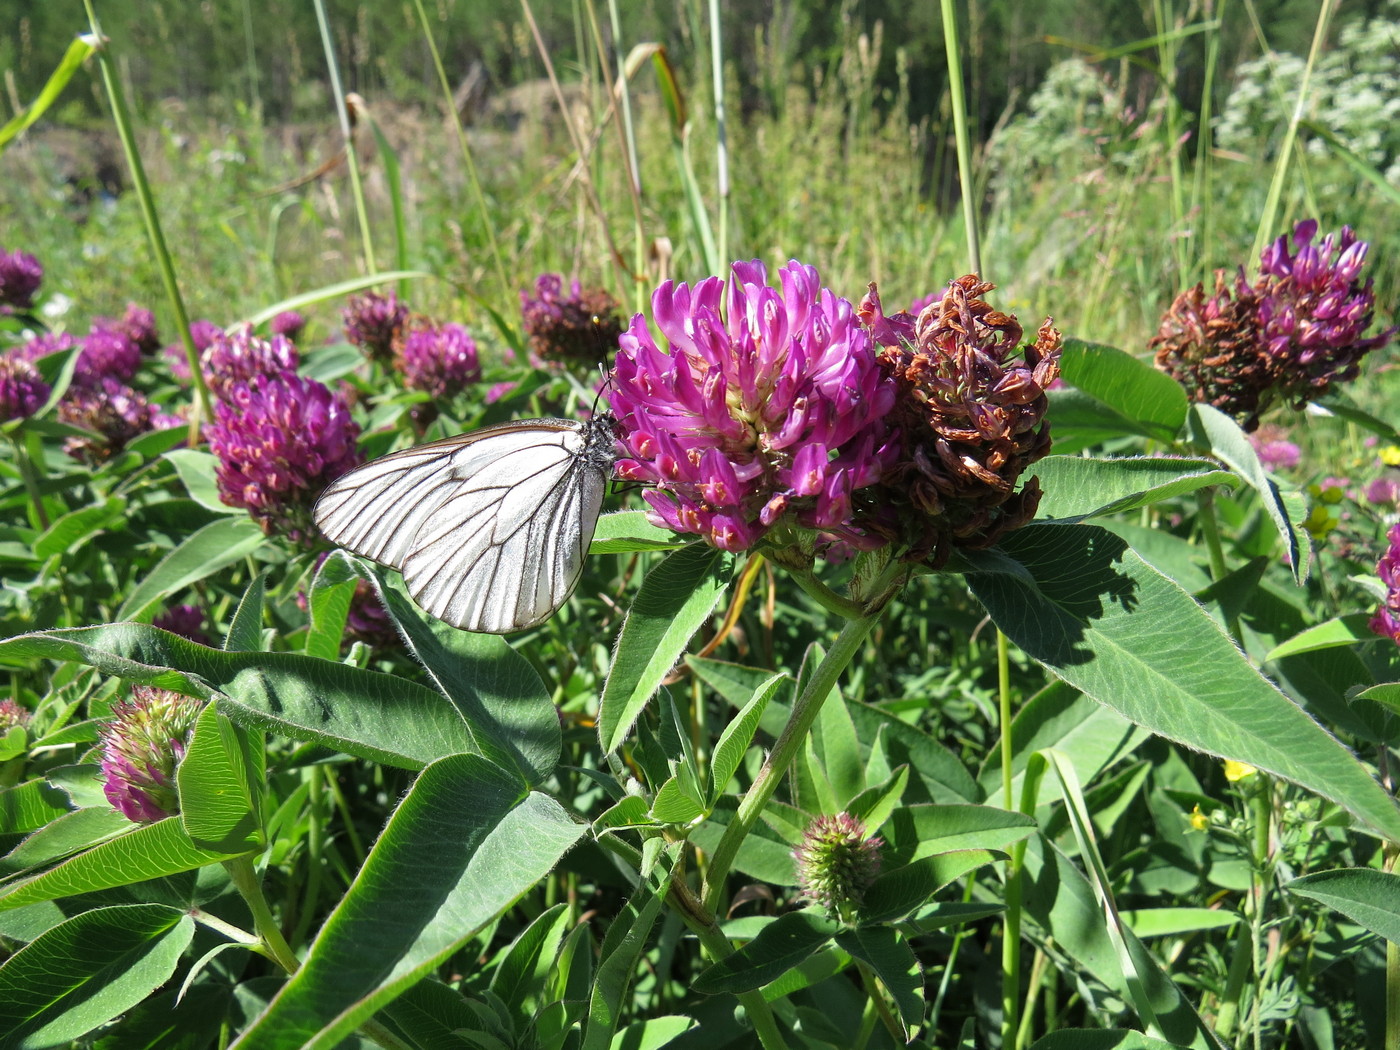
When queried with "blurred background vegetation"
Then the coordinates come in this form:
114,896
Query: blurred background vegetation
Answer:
1099,197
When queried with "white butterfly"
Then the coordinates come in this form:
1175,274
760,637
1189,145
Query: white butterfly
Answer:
488,528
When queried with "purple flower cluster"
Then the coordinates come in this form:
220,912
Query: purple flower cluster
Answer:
440,360
137,325
1273,448
281,439
20,276
108,353
238,355
185,620
582,326
1386,622
141,747
1288,336
202,334
765,407
113,412
13,714
288,323
373,323
22,389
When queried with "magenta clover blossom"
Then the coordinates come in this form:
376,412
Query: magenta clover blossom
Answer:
1386,622
22,389
238,355
20,277
440,360
141,747
765,406
281,439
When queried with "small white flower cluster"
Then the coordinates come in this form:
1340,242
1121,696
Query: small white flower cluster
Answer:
1354,93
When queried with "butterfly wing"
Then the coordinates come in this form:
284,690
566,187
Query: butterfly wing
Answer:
490,529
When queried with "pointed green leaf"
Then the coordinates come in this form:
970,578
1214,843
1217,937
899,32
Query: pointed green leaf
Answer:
913,832
78,51
1214,430
625,531
617,964
894,894
885,951
1127,384
218,544
218,781
86,971
198,473
1078,600
245,631
673,806
150,851
466,841
780,946
676,597
376,716
1078,487
74,528
524,970
738,734
1340,630
1367,897
498,693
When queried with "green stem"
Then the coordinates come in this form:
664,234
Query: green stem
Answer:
352,160
872,990
246,881
960,131
31,482
701,922
121,117
275,946
1210,531
804,714
1011,923
1392,967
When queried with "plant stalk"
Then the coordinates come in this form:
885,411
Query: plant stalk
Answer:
1011,923
804,715
121,117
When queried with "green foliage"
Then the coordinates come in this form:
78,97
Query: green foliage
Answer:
395,833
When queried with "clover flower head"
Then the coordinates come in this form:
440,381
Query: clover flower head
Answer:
137,325
971,412
107,354
202,334
20,276
1273,448
142,745
288,323
1383,490
836,863
113,411
13,714
580,327
22,389
440,360
373,323
1386,622
185,620
768,412
1289,336
237,355
42,345
281,439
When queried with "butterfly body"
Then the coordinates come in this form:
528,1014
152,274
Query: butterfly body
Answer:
489,528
